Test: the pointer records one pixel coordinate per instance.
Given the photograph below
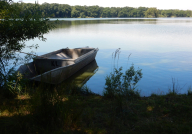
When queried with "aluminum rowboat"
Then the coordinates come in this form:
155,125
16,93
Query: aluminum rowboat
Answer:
57,66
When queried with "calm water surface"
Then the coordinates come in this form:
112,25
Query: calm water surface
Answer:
162,48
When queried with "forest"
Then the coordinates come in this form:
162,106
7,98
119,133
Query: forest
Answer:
55,10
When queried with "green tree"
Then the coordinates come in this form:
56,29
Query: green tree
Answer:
94,11
16,27
82,15
141,11
121,14
114,11
64,10
152,13
167,13
134,13
75,13
106,12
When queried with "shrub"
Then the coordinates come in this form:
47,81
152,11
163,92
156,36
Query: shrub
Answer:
121,84
11,83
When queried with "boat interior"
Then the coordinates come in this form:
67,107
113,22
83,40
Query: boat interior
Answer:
65,54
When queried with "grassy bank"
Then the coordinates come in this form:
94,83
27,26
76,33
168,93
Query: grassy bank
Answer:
77,110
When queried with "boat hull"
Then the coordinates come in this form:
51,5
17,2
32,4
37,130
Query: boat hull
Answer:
59,74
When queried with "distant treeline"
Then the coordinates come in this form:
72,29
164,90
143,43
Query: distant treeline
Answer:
66,11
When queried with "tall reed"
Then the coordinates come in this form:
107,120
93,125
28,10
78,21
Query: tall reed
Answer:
121,84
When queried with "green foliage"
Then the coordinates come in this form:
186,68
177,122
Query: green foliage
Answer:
75,13
16,27
121,84
7,81
12,84
66,11
175,13
106,12
152,13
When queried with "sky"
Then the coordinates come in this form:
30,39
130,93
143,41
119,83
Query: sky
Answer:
159,4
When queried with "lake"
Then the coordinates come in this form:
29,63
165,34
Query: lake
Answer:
161,47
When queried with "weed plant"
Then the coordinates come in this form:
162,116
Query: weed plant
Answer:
122,84
175,87
12,84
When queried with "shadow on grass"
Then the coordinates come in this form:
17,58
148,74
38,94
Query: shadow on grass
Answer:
71,111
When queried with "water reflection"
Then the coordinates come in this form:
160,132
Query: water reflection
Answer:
67,23
82,76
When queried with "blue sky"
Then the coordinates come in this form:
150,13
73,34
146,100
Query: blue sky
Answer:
159,4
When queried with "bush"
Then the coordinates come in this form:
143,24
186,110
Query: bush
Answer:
121,84
11,83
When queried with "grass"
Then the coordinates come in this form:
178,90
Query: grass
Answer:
63,111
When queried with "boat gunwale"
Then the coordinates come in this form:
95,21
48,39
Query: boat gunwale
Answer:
69,59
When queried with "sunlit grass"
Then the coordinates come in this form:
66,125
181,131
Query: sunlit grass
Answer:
149,108
11,111
23,97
